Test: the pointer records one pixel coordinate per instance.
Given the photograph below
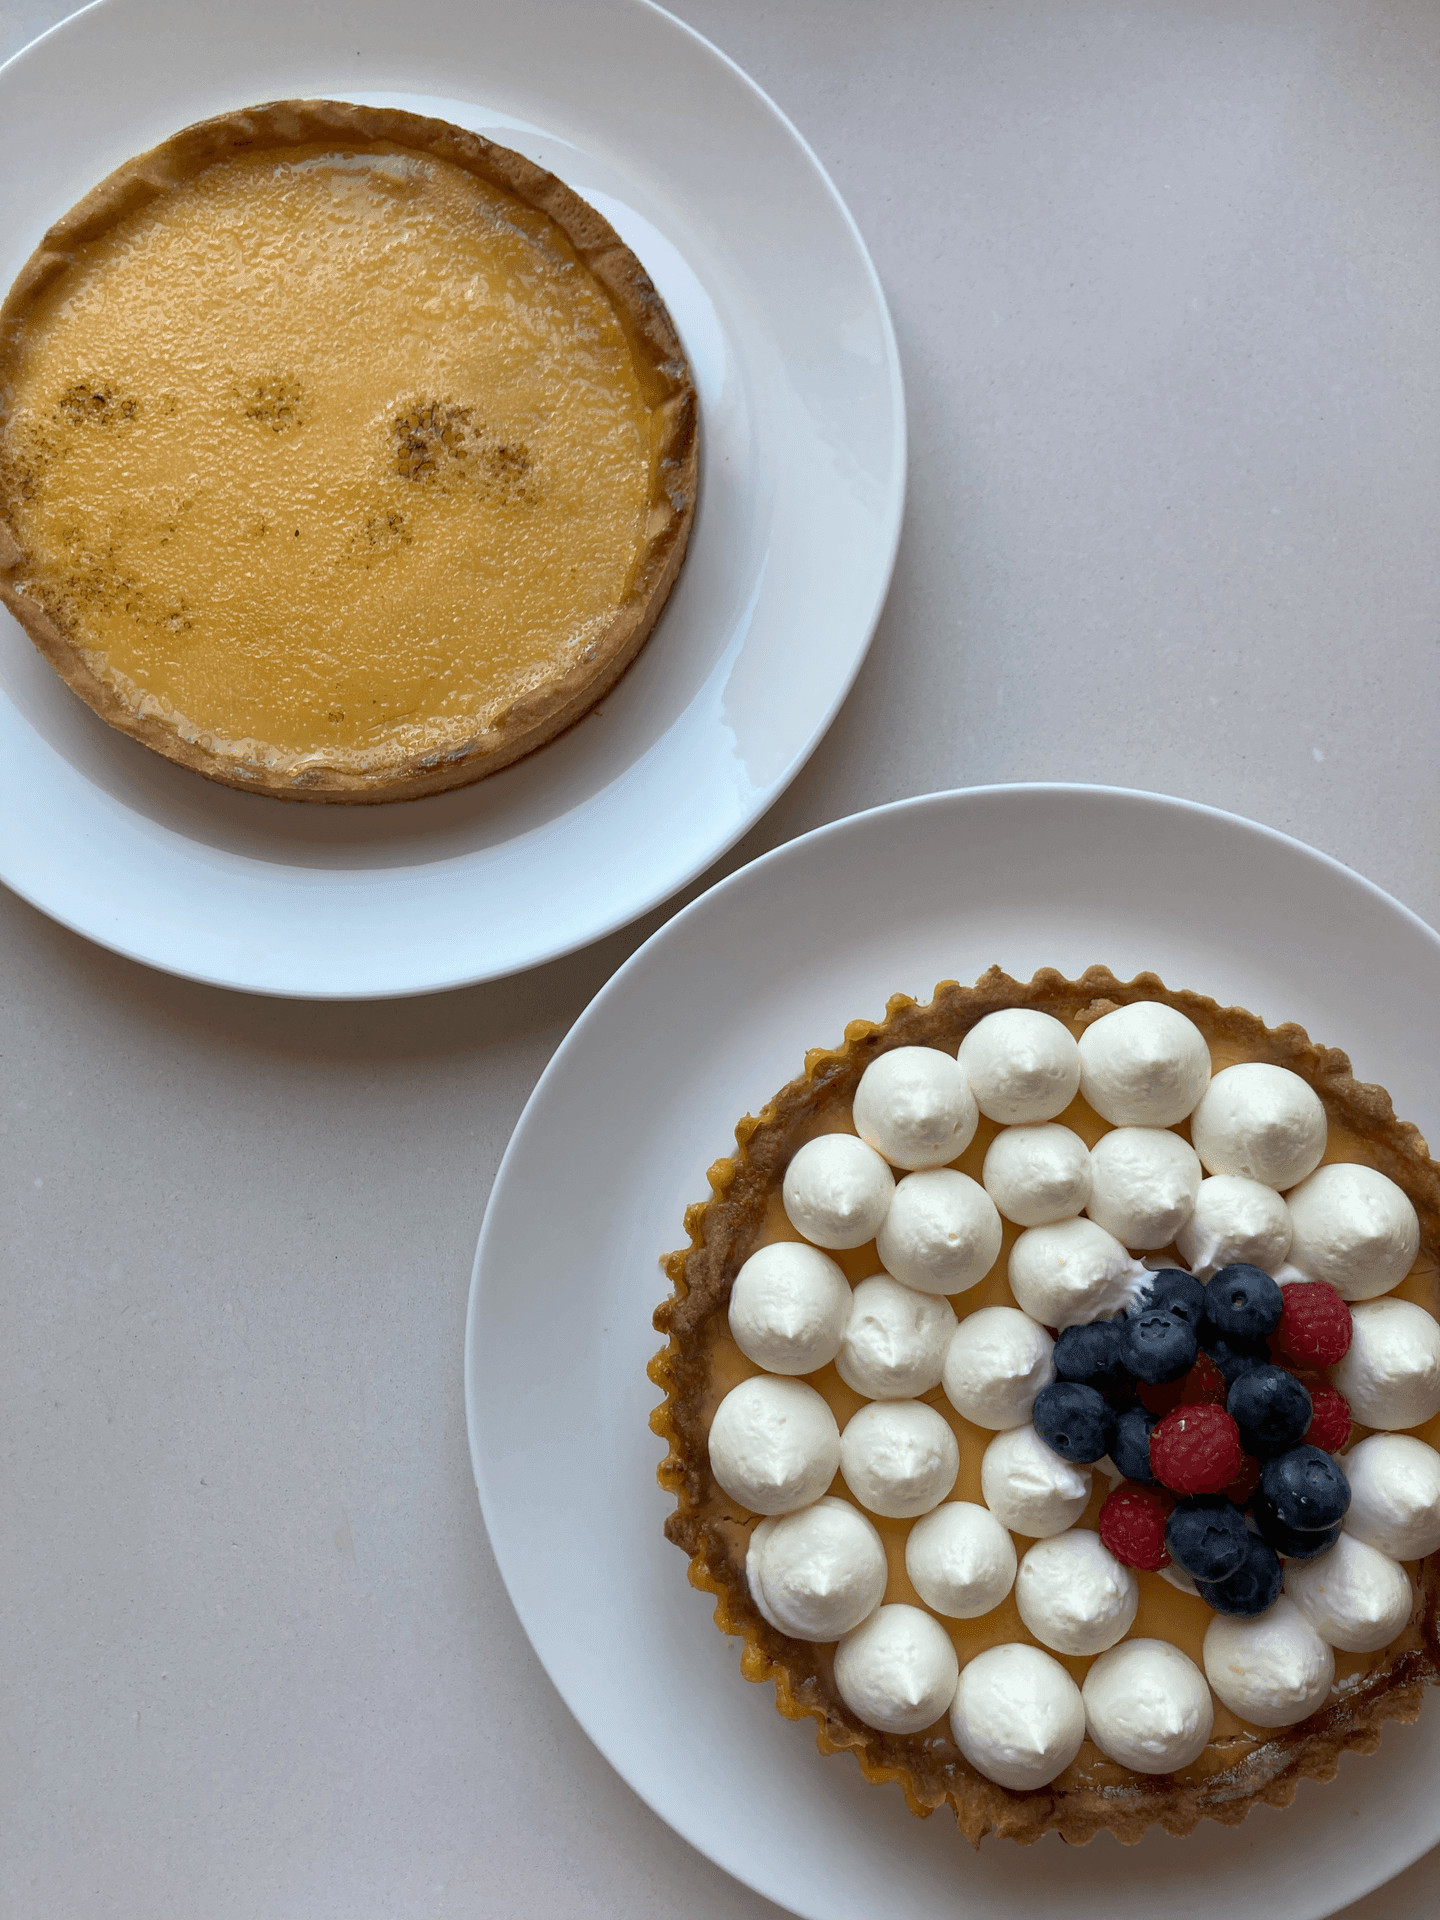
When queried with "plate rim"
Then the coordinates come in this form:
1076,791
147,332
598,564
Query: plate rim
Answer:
694,861
516,1149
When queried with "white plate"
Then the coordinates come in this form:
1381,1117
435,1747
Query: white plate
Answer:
802,482
707,1020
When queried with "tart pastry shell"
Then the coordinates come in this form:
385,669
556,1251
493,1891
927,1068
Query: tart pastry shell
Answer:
1094,1795
535,717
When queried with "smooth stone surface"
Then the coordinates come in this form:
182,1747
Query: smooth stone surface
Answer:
1162,296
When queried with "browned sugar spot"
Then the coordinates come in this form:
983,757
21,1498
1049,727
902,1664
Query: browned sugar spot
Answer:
438,443
84,405
278,404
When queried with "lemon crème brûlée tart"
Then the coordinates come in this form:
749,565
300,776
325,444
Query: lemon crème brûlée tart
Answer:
1052,1394
344,455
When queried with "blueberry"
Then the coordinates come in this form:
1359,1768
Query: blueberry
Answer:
1130,1449
1243,1302
1253,1589
1074,1421
1090,1355
1176,1292
1271,1409
1233,1356
1208,1537
1158,1346
1290,1541
1305,1489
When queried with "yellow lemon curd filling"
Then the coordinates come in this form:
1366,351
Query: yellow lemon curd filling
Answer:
1164,1613
329,458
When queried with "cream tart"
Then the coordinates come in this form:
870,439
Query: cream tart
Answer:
344,455
1239,1740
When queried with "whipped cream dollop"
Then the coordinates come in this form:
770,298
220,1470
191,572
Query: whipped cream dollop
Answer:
817,1573
1017,1717
1074,1595
1030,1489
1355,1597
997,1361
960,1560
774,1444
789,1307
1273,1669
1037,1174
1143,1184
895,1340
915,1106
1148,1706
899,1457
1234,1220
1144,1065
1022,1065
1394,1495
898,1670
941,1234
837,1191
1073,1272
1262,1122
1354,1228
1391,1375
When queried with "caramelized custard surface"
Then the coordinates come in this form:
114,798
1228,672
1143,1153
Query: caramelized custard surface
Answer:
331,451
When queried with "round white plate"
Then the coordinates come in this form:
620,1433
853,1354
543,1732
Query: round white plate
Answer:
802,482
705,1022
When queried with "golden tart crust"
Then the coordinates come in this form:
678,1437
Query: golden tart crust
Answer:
1240,1768
508,527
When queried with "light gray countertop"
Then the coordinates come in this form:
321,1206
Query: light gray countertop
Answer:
1165,280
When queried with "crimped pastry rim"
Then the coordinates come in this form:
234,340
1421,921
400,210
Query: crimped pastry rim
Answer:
535,718
701,1274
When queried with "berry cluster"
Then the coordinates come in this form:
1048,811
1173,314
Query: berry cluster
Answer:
1196,1396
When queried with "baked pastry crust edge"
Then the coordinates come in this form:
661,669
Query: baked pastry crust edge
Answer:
701,1275
535,718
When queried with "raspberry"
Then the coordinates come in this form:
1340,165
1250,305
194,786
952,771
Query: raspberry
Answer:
1157,1396
1315,1324
1204,1384
1132,1525
1201,1386
1312,1381
1196,1450
1330,1427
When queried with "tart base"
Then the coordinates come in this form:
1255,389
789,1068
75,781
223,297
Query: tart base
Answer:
1093,1795
532,718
